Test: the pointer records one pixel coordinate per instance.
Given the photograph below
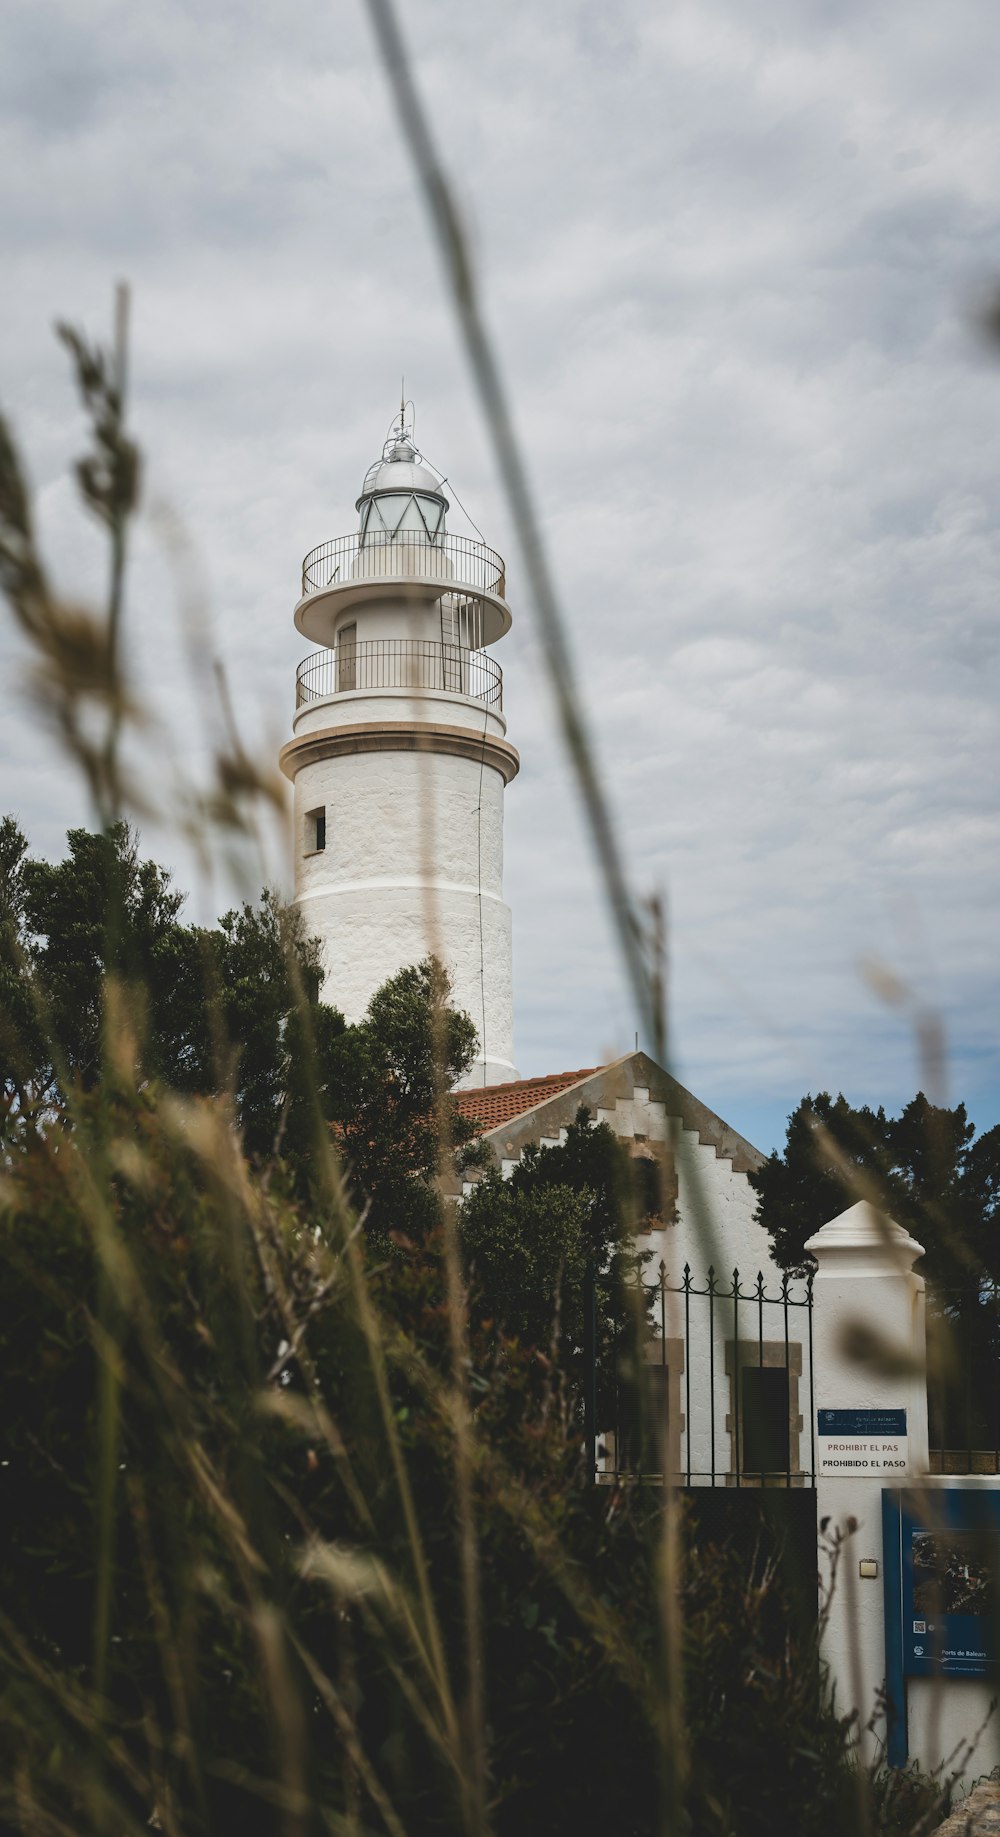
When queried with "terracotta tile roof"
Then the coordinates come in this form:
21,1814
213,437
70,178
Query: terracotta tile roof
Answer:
493,1104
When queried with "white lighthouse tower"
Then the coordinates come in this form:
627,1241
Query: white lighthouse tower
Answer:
400,757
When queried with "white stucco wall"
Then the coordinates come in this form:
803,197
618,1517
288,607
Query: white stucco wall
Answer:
413,863
715,1205
393,617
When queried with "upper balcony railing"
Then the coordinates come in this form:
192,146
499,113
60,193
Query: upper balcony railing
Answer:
458,560
418,664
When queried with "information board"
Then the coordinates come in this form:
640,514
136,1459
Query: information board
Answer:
860,1444
941,1553
950,1600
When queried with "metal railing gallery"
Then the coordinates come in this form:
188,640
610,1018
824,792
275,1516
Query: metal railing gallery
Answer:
399,663
409,554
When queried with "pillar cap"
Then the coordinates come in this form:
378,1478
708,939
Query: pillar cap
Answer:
865,1238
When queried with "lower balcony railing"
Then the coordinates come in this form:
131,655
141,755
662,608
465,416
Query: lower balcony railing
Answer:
399,663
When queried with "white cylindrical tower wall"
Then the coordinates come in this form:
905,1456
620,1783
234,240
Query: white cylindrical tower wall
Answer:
413,865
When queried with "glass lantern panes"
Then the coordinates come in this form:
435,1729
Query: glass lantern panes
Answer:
397,515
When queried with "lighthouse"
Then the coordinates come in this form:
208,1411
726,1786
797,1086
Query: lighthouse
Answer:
399,756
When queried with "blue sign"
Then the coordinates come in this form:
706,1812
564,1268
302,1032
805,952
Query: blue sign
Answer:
941,1549
861,1422
950,1600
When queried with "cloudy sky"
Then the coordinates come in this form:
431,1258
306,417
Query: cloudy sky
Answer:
732,257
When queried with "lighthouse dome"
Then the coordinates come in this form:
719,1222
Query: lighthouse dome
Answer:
401,495
399,469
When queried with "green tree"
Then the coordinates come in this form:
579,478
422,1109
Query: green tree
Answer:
103,911
236,1007
828,1145
264,979
527,1253
389,1095
25,1073
530,1240
925,1167
210,1009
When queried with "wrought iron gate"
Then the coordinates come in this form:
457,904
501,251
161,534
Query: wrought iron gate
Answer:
708,1382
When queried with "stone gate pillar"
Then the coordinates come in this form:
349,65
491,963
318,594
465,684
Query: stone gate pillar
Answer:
869,1348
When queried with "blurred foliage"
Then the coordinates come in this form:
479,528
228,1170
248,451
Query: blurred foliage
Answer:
270,1642
283,1647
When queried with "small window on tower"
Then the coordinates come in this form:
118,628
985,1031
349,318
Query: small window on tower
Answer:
315,830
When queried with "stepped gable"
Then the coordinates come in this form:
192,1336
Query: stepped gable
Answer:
512,1115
